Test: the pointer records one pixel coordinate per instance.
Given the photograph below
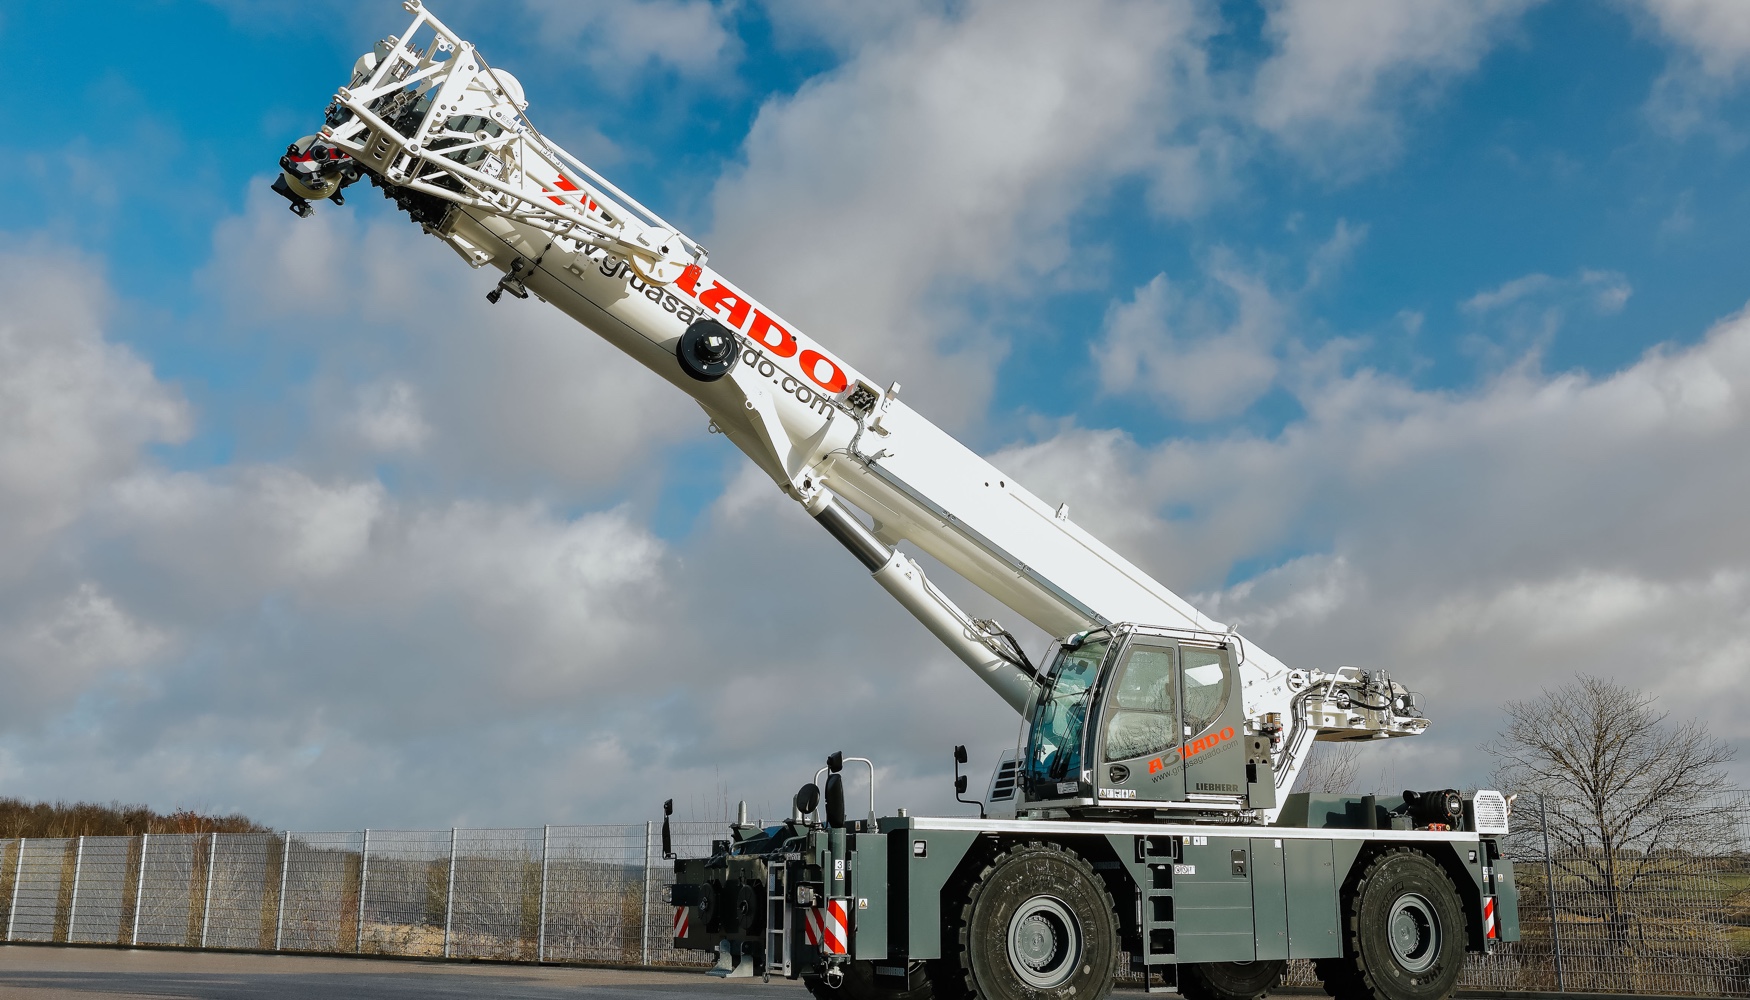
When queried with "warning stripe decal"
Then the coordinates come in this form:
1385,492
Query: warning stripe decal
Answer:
838,939
1489,917
680,922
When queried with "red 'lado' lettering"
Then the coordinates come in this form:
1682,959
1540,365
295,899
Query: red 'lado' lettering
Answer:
689,280
769,333
717,295
812,362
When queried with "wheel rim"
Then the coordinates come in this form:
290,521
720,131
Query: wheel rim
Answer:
1045,942
1414,931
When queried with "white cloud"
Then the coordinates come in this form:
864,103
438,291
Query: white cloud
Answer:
1716,33
621,38
1478,544
1212,351
1185,353
407,350
948,154
76,409
1343,69
387,416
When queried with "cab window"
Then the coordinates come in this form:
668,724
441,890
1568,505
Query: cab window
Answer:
1141,714
1208,681
1055,742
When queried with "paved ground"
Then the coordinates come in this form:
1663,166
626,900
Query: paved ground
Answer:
47,973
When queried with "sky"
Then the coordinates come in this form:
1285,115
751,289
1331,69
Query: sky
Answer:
1409,335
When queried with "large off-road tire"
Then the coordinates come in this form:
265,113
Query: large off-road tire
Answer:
859,984
1037,922
1230,980
1404,930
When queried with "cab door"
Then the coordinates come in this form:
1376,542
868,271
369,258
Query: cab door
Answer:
1139,743
1213,724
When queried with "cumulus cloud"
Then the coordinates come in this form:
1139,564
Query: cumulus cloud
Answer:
411,360
1212,350
76,408
619,38
1475,543
946,156
1710,45
1342,71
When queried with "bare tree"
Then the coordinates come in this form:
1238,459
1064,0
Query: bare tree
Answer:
1330,768
1625,790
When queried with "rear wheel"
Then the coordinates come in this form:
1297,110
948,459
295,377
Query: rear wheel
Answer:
1037,923
1404,930
1230,980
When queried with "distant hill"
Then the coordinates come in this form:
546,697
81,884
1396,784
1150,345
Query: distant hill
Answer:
86,819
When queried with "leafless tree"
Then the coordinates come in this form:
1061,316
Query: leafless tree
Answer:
1330,768
1625,790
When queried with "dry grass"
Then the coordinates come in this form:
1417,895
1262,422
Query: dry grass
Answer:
86,819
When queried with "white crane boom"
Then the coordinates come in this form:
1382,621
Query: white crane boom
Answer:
447,137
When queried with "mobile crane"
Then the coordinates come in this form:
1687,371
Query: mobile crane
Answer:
1146,811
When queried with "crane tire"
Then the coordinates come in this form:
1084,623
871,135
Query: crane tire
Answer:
1037,923
859,984
1404,928
1230,980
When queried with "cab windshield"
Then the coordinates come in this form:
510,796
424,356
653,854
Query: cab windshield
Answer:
1054,744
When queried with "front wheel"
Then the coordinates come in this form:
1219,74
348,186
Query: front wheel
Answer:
1230,980
1405,929
1038,922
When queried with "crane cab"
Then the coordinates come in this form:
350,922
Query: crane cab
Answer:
1133,718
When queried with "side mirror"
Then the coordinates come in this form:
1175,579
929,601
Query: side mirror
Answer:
835,800
836,762
807,798
667,838
960,780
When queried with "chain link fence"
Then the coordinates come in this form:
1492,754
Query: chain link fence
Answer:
1673,923
557,894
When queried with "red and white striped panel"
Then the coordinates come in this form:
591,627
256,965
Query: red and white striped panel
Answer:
838,938
811,926
1489,917
681,923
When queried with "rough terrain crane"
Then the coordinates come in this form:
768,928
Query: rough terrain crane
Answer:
1145,816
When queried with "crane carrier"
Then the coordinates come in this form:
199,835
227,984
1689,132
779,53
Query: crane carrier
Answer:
1145,816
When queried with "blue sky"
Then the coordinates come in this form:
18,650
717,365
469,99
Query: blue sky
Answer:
1404,333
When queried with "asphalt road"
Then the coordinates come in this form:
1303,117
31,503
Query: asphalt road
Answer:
29,972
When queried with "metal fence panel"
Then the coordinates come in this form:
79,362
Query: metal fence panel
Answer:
242,892
44,871
100,912
167,912
496,894
321,892
406,890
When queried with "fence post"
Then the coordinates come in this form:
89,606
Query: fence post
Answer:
541,926
73,904
17,877
450,894
649,828
279,917
364,880
140,890
1549,885
207,900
